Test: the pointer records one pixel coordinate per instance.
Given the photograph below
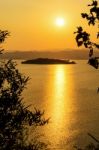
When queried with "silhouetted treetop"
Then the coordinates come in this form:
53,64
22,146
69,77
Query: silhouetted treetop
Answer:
3,35
93,15
83,38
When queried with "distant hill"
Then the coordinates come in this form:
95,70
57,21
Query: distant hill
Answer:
65,54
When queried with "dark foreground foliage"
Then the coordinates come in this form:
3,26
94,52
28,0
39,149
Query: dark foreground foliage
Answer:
14,115
83,38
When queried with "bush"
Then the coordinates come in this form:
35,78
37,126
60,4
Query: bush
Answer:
14,115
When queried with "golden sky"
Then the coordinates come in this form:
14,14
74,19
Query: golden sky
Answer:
32,23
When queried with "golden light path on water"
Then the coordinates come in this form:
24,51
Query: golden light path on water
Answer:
60,85
58,101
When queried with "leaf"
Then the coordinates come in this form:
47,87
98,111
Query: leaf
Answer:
97,35
80,43
93,62
84,15
86,45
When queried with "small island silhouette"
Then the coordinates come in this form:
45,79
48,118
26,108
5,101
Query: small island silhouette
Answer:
48,61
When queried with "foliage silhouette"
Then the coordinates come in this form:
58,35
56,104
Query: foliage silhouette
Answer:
14,115
83,38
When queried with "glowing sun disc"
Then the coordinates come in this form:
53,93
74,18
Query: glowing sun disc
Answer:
60,22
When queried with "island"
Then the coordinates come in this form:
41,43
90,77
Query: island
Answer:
48,61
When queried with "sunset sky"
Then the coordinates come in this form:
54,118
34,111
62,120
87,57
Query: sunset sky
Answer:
33,23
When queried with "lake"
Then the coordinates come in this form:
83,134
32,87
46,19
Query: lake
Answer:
68,94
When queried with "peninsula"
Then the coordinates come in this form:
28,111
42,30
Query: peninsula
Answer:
48,61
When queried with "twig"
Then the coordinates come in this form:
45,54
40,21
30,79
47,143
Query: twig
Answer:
93,137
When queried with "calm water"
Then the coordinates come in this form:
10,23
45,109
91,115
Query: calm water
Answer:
68,94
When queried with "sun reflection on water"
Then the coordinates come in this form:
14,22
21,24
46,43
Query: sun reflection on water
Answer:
60,104
59,90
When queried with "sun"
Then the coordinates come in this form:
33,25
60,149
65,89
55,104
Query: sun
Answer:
60,22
